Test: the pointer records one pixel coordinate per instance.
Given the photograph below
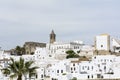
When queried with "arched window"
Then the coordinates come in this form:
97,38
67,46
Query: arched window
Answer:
88,76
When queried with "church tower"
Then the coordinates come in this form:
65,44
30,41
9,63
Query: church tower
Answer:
52,37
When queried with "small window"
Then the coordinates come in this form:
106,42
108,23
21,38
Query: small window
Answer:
110,60
88,76
41,76
83,67
74,69
57,71
94,57
101,45
5,75
61,71
36,76
73,64
92,67
92,76
88,68
104,67
102,77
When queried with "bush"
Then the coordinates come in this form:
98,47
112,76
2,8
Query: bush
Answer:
74,78
71,54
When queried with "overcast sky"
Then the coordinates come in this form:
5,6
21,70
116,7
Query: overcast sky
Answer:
33,20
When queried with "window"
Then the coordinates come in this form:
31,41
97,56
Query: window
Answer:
94,57
74,47
88,68
88,76
104,67
74,69
41,69
102,77
41,76
101,45
61,71
98,76
5,75
110,60
117,48
92,76
105,60
36,76
73,64
83,67
92,67
57,71
50,56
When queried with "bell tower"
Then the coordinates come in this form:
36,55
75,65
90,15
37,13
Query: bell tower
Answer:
52,37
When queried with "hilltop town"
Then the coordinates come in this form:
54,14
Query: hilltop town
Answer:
73,60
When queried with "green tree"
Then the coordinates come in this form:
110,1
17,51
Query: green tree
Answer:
71,54
22,50
19,50
16,69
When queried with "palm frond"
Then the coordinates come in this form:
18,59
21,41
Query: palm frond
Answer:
6,71
14,75
28,63
32,71
21,64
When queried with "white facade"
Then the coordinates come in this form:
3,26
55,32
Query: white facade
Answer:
61,48
100,67
87,51
116,45
58,49
102,42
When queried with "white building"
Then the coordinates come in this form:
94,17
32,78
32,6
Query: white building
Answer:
100,67
61,48
58,49
116,45
87,51
102,42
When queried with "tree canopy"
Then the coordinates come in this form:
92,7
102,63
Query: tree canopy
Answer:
20,50
16,69
71,54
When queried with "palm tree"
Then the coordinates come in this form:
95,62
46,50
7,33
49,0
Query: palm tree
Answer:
16,69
